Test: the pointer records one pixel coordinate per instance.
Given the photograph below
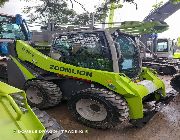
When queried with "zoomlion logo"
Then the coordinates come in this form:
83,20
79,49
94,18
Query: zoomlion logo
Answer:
70,70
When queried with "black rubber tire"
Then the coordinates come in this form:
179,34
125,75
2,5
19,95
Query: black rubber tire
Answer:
169,70
50,124
50,93
115,105
175,82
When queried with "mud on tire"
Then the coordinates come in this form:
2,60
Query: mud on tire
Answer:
42,94
115,106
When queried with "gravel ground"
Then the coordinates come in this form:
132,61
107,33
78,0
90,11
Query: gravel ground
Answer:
165,125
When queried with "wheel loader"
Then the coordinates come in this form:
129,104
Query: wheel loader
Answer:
103,82
18,121
100,76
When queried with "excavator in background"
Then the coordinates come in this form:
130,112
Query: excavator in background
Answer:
159,55
161,50
160,14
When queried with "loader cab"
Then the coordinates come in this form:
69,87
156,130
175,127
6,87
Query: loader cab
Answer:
97,50
12,27
164,48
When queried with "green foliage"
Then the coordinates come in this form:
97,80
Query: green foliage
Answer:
175,1
157,5
59,11
2,2
54,10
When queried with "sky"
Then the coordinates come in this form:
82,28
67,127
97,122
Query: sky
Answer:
127,13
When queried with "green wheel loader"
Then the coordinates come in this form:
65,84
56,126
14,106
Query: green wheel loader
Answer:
18,121
100,76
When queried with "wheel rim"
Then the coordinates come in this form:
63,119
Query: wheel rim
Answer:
34,95
91,110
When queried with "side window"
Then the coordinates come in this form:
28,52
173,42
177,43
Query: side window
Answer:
87,50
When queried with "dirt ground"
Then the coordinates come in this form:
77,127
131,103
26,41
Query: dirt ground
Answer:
165,125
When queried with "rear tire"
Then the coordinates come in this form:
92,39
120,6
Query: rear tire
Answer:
51,125
175,82
98,108
169,70
42,94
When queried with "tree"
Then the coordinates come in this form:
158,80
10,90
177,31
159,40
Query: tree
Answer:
175,1
58,11
2,2
157,5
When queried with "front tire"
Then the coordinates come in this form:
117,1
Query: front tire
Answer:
98,108
42,94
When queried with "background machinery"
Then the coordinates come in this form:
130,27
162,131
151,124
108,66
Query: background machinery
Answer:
11,27
160,56
161,60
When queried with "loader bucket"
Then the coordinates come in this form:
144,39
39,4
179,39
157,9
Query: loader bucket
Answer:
17,121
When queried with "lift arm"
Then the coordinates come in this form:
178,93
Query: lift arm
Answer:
163,12
160,14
